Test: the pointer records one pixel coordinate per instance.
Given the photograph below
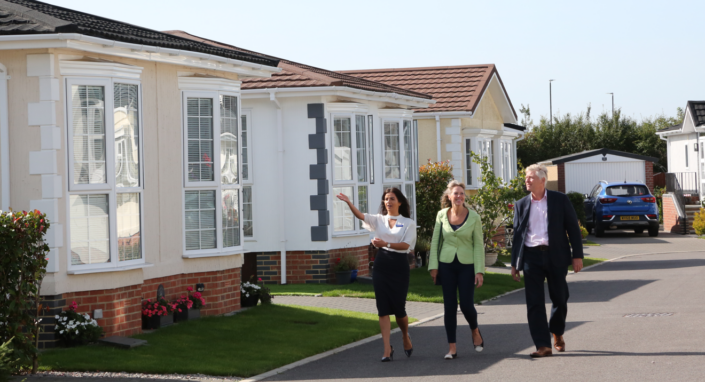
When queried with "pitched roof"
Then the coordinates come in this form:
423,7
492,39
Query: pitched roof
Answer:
603,151
34,17
671,128
295,75
697,111
455,88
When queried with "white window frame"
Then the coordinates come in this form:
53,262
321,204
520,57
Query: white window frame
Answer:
469,164
402,157
214,185
247,113
354,183
108,188
252,206
506,159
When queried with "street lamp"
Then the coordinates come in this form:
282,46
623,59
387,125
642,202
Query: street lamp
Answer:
550,100
613,125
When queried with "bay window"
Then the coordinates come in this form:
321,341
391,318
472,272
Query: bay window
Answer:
401,157
104,173
469,181
247,176
212,173
506,153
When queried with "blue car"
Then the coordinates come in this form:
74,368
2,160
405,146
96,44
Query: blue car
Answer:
621,205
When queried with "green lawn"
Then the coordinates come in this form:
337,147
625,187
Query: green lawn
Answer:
249,343
421,288
591,244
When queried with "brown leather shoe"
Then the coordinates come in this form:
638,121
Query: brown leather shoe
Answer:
558,343
543,351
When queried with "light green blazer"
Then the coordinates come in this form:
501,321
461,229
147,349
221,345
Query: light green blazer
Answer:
466,242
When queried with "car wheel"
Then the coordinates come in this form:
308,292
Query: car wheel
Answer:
599,230
638,231
653,231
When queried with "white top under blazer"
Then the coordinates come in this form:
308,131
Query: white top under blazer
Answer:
404,231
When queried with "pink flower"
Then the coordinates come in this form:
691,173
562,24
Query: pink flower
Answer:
179,310
190,289
259,279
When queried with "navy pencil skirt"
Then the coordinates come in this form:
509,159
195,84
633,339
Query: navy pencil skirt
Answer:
390,278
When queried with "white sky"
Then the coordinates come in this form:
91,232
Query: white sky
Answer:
649,53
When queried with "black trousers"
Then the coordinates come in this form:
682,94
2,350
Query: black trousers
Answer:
457,277
537,268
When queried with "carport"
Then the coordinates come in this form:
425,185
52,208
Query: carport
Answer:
580,172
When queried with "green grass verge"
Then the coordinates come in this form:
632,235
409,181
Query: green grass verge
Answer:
588,261
421,288
249,343
591,244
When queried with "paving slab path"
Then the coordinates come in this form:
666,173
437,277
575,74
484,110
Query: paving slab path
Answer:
613,333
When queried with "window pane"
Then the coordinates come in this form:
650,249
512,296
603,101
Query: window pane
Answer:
199,126
228,140
361,148
362,201
247,223
410,194
128,227
370,135
468,162
342,149
200,220
343,219
416,151
391,150
90,237
231,219
408,153
88,107
126,121
245,148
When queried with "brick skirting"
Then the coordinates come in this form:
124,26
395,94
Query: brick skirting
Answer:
308,267
122,307
671,220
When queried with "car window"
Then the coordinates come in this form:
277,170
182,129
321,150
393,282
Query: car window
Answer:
597,191
627,190
592,192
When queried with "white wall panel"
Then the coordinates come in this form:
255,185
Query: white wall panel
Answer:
582,177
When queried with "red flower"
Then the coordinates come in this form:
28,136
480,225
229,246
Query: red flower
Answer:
511,206
190,289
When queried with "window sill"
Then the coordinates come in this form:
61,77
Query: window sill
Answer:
213,254
350,234
109,269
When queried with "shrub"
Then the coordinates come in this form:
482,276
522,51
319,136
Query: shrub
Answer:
248,289
74,328
196,298
583,231
346,263
7,364
160,307
578,201
433,179
23,261
699,222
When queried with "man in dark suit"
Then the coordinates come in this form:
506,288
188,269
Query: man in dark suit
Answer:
543,251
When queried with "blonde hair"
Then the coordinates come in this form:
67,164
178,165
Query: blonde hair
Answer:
445,198
540,170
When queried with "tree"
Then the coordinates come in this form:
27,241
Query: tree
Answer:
433,180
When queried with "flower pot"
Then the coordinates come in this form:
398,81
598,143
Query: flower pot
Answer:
194,314
150,323
247,302
490,258
182,315
343,277
166,320
353,275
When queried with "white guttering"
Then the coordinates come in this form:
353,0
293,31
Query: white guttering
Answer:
136,51
420,114
280,184
438,138
330,90
4,141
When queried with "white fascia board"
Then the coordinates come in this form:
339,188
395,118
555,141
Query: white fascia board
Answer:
486,133
135,51
347,107
395,113
342,91
442,114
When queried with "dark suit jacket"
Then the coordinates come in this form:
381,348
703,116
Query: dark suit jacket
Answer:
561,220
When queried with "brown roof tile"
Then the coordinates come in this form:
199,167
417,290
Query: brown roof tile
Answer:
455,88
294,74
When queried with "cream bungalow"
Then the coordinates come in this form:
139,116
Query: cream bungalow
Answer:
127,139
311,134
472,113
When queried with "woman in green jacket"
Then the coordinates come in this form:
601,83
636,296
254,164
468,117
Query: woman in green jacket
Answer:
460,263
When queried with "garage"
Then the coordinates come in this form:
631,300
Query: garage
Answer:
580,172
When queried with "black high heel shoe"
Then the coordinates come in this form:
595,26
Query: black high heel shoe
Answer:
410,351
480,347
391,356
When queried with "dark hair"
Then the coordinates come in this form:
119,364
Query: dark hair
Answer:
404,209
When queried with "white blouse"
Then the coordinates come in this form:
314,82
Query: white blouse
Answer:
404,231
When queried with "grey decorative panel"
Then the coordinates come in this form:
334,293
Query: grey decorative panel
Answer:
319,233
316,141
322,186
319,202
323,217
315,110
321,126
322,156
317,171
